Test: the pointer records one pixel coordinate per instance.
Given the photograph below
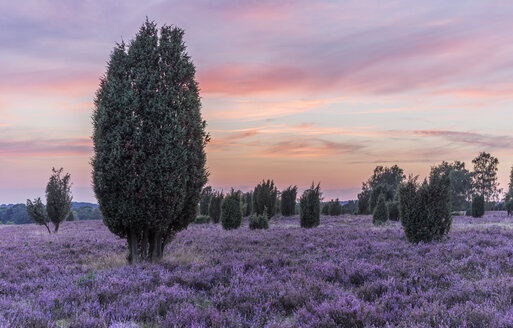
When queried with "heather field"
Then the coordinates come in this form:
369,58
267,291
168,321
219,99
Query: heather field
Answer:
345,273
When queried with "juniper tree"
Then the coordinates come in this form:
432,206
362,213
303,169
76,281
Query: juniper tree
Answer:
149,140
310,207
380,215
37,213
231,211
264,196
214,207
288,201
58,197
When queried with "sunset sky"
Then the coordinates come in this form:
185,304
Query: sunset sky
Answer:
296,91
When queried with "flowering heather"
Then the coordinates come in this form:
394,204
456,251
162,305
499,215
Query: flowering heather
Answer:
345,273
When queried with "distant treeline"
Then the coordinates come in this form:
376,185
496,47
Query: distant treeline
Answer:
17,213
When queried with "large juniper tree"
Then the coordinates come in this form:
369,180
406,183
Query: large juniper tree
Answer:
149,140
58,197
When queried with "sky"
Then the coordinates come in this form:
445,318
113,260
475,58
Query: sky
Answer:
295,91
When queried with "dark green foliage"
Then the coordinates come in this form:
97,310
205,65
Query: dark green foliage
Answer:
202,219
461,183
351,207
214,208
86,212
71,216
485,176
58,197
265,196
231,211
380,214
425,212
288,201
385,190
334,208
206,194
384,180
149,140
393,210
325,208
258,222
478,206
310,206
37,213
247,203
15,214
363,200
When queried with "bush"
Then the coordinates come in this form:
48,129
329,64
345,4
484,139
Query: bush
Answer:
309,207
288,201
335,209
258,222
425,212
393,210
231,211
265,196
214,207
478,206
202,219
380,214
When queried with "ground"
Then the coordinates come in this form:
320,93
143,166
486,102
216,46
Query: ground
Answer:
345,273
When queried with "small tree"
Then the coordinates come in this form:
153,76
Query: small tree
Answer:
335,209
380,214
71,216
231,212
265,196
485,176
478,206
425,212
325,208
309,207
149,141
206,194
509,206
37,213
363,200
288,201
214,208
58,197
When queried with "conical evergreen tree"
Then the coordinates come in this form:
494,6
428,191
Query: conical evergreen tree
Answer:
149,139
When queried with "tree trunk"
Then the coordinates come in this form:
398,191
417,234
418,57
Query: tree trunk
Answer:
47,228
145,244
56,227
157,246
133,256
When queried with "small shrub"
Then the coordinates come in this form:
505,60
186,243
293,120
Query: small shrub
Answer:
335,209
202,219
231,211
214,207
425,212
478,206
309,207
393,210
258,222
380,214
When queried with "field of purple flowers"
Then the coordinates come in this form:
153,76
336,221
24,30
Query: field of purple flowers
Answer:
345,273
